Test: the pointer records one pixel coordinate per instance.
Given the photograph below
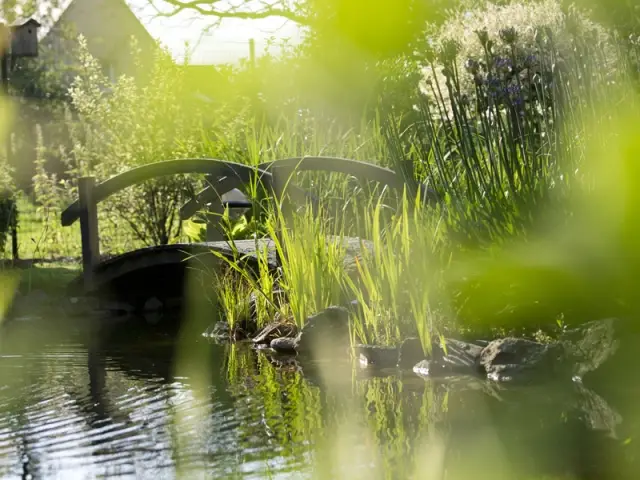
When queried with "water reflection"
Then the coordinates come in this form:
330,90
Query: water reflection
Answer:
93,399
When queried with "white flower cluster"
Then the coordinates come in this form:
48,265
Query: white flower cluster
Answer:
533,34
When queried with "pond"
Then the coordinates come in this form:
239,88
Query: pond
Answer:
117,398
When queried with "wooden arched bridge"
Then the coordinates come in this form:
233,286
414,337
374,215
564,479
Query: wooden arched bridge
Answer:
152,267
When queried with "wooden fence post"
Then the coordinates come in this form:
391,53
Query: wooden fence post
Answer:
88,229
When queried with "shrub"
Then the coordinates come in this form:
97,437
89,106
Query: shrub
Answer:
132,122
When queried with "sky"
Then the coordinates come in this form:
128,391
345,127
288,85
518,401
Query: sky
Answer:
226,43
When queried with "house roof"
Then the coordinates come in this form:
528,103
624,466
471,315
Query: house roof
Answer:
109,20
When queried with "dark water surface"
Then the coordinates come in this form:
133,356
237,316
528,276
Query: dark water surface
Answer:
124,399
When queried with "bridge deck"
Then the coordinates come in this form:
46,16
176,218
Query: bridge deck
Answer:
137,261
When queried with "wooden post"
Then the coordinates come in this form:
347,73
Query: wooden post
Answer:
14,231
213,212
88,229
409,177
5,72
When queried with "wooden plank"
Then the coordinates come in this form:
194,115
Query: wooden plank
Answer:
112,268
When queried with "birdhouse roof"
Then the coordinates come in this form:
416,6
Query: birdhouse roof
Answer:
21,22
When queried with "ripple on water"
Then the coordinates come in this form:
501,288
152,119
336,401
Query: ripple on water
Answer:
53,423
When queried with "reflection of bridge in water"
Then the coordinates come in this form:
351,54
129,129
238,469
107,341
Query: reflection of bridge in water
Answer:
157,271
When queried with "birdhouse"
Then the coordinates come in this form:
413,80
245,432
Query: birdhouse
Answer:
24,38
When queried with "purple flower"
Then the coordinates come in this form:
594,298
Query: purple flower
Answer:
514,93
530,60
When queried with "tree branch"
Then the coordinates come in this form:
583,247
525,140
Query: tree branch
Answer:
242,11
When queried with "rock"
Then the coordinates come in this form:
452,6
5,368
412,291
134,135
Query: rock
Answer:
456,353
284,345
81,306
577,351
326,332
410,353
589,345
433,368
152,305
153,317
378,356
519,359
275,330
448,357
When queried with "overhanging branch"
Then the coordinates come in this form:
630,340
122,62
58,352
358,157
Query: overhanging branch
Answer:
214,8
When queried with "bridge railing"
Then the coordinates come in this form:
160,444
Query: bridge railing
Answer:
223,177
91,194
286,167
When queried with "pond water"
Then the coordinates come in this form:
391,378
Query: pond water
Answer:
124,399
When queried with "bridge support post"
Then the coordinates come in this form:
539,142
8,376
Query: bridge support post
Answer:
88,229
407,169
214,210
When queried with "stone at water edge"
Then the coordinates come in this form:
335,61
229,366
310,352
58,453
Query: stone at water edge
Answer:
410,353
152,305
428,368
519,359
284,345
448,358
578,351
377,356
327,329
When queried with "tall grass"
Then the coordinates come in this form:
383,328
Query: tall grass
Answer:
399,273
